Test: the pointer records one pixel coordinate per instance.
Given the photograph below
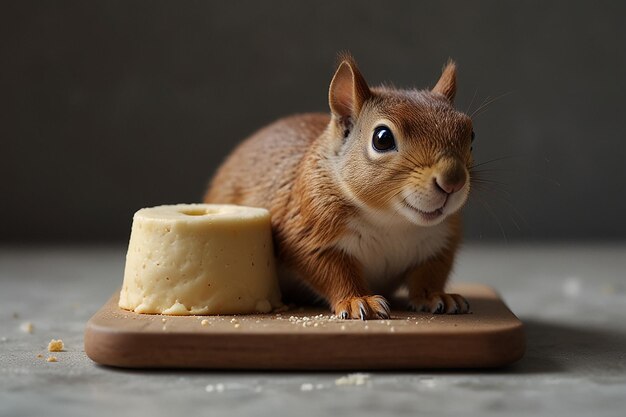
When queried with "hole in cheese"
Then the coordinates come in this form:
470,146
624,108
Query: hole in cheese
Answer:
199,211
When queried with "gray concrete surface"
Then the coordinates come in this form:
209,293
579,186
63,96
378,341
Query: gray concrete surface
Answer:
572,299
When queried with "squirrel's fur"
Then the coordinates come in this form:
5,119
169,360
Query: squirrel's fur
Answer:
348,219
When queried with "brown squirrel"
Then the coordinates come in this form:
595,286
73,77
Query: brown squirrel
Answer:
365,199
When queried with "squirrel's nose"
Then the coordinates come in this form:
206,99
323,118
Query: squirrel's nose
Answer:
449,184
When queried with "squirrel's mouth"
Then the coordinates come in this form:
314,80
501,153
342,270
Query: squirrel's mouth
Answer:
426,215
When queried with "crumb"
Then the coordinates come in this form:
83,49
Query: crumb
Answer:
39,355
343,327
164,320
51,359
237,325
234,320
306,387
392,329
219,387
27,327
56,345
164,327
204,322
366,327
353,379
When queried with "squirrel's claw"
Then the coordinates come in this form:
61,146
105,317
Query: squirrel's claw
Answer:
364,308
440,303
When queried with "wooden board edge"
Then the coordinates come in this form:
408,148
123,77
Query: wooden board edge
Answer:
112,348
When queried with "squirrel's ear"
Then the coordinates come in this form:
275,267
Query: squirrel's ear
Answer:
446,85
348,90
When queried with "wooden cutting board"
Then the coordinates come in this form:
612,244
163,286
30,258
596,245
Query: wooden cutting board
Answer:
300,339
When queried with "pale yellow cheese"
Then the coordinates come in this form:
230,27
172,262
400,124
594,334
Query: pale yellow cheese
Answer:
200,259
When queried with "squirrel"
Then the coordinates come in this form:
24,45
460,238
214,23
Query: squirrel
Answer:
364,199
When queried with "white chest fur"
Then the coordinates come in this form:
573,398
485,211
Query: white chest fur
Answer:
386,251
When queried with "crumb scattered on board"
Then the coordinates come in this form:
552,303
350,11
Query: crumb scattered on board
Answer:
306,322
56,345
27,327
51,359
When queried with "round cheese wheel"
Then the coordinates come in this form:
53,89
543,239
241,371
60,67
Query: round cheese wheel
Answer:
200,259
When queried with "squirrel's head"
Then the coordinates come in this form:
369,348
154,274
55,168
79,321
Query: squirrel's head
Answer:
401,152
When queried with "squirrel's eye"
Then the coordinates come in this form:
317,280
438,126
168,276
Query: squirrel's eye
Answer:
383,139
473,136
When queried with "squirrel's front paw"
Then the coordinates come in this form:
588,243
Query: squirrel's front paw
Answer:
440,303
367,307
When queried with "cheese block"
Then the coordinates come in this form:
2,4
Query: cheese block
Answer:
200,259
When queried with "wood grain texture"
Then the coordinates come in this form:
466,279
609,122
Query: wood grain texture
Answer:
299,339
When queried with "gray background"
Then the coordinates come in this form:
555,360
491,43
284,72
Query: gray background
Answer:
108,106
